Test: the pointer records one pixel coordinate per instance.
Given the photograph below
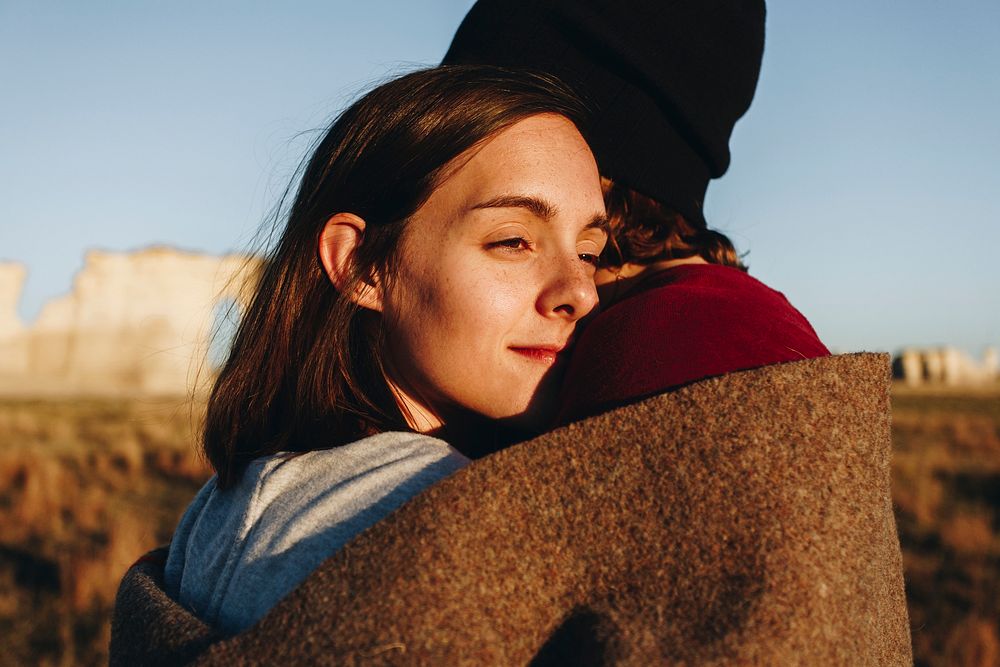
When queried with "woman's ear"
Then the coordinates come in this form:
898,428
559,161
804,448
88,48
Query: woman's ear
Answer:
338,242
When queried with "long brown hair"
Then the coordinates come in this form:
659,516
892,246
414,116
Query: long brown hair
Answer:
305,370
644,231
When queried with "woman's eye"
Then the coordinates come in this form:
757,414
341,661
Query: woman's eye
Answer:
590,252
514,243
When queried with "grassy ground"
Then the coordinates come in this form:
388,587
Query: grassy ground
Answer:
946,488
86,487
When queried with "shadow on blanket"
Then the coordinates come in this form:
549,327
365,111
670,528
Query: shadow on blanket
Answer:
741,519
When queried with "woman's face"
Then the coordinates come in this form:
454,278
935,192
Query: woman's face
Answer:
495,270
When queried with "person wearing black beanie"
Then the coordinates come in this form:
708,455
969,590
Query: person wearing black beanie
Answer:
666,81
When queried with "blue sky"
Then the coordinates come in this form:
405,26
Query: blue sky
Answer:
864,178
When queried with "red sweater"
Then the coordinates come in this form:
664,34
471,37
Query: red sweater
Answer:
679,325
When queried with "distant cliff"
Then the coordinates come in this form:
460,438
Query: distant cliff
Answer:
134,323
945,365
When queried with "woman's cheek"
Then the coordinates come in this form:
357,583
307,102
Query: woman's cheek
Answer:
499,300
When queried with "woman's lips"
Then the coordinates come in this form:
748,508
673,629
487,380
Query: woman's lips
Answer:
542,354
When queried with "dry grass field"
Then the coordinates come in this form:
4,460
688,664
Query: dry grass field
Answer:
946,489
86,487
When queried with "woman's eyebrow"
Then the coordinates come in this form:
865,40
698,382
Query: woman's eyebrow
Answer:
535,205
540,208
600,221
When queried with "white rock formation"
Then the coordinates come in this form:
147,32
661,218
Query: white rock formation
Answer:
912,364
12,350
134,323
946,366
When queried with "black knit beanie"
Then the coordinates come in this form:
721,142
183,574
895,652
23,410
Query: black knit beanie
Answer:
667,79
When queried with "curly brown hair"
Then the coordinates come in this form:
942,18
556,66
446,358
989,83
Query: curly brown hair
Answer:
644,231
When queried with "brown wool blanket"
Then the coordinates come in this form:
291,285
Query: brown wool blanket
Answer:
744,519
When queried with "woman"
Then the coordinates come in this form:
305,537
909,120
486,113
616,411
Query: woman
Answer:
437,257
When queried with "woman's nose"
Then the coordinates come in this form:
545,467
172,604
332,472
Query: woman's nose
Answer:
569,291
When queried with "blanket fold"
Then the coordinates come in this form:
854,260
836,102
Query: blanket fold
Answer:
742,519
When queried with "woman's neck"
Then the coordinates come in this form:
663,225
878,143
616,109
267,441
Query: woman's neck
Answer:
473,435
418,416
615,282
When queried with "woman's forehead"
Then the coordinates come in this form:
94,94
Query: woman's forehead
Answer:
542,160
